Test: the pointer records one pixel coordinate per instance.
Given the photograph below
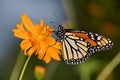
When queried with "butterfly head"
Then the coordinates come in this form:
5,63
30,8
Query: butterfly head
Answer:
60,32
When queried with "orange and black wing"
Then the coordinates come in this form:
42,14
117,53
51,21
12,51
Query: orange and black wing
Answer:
77,46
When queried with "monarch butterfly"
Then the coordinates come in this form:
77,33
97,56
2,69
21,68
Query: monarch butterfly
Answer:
78,45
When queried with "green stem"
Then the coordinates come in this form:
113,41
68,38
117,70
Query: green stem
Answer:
24,67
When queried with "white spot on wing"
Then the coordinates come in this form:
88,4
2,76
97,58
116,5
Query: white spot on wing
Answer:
99,37
99,43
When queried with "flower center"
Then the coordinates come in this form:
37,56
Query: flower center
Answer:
44,33
41,37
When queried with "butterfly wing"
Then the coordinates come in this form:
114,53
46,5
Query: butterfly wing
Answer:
74,49
77,46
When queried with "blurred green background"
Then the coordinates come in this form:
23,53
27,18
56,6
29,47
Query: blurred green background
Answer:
99,16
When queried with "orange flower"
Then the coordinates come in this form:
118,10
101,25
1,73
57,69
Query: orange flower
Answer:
37,39
39,72
39,69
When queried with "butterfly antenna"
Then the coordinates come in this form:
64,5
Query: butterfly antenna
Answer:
67,23
54,23
59,20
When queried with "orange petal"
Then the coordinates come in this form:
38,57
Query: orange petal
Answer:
25,51
28,23
25,44
54,53
20,26
57,45
47,58
20,34
41,25
50,41
41,53
43,48
32,50
51,53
